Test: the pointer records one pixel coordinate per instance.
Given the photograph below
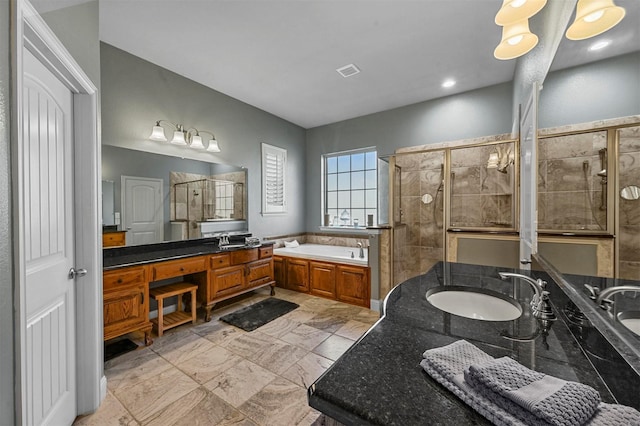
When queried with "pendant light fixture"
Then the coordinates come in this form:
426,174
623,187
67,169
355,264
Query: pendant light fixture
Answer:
517,40
517,10
183,137
594,17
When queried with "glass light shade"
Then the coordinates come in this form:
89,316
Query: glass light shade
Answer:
178,138
213,146
594,17
196,142
517,10
517,40
157,134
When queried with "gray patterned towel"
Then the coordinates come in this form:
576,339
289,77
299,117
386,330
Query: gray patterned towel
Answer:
553,400
447,366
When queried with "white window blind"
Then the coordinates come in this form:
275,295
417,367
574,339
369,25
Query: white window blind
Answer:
274,166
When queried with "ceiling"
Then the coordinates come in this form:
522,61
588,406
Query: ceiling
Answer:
282,56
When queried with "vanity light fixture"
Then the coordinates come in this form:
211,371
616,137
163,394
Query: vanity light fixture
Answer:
517,10
517,40
182,137
594,17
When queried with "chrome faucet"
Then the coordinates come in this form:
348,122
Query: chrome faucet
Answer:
540,304
602,296
223,240
361,254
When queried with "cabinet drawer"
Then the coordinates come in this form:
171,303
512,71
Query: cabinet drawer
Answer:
243,256
259,272
176,268
123,277
113,239
220,261
265,252
124,310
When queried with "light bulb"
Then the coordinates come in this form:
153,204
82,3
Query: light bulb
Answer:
592,17
515,40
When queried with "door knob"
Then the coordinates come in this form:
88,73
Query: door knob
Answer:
525,261
77,273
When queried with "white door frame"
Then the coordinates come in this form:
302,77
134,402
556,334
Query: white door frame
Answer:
31,32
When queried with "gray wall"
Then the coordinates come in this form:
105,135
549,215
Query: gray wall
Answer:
471,114
136,93
77,28
596,91
6,254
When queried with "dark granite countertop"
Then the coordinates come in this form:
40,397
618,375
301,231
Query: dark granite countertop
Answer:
379,380
120,257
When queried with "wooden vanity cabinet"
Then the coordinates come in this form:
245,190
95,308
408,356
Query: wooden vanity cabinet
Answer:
352,285
337,281
114,239
297,271
322,280
126,302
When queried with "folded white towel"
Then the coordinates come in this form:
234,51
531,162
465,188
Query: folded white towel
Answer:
292,244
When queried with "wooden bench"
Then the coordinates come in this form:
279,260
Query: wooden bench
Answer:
180,316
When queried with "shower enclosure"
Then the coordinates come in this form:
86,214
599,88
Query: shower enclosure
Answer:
628,203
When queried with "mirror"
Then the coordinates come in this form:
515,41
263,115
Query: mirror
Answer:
108,207
193,199
594,89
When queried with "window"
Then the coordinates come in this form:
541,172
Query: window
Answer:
350,183
274,165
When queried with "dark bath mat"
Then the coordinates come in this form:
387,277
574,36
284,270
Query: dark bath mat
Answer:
259,314
118,348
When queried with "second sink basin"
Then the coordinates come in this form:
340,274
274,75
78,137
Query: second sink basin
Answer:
631,320
475,303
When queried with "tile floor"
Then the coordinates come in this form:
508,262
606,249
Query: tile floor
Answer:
216,374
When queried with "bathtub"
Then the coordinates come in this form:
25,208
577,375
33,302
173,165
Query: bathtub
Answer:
339,254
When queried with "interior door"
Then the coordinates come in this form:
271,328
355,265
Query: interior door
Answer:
49,229
142,205
529,179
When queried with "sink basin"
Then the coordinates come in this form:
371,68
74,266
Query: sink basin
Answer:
232,246
631,320
475,303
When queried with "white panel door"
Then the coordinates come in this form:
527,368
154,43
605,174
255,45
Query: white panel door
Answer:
49,246
142,205
529,179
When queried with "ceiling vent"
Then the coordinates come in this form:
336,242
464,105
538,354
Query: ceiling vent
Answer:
348,70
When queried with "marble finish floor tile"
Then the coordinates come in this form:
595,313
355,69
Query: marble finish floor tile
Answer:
305,337
216,374
279,403
179,347
198,407
307,370
333,347
207,365
218,332
129,370
248,344
353,330
240,382
278,356
326,322
110,412
146,398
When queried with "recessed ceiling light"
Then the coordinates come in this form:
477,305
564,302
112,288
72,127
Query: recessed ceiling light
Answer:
348,70
449,83
599,45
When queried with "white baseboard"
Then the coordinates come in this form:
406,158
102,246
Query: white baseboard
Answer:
166,310
376,305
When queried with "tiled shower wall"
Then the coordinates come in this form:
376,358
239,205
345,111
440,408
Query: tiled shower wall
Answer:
419,245
482,197
629,235
569,189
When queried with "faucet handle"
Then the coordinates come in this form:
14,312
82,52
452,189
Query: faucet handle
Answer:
593,291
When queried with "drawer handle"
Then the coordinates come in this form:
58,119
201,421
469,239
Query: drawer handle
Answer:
142,298
119,280
181,269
